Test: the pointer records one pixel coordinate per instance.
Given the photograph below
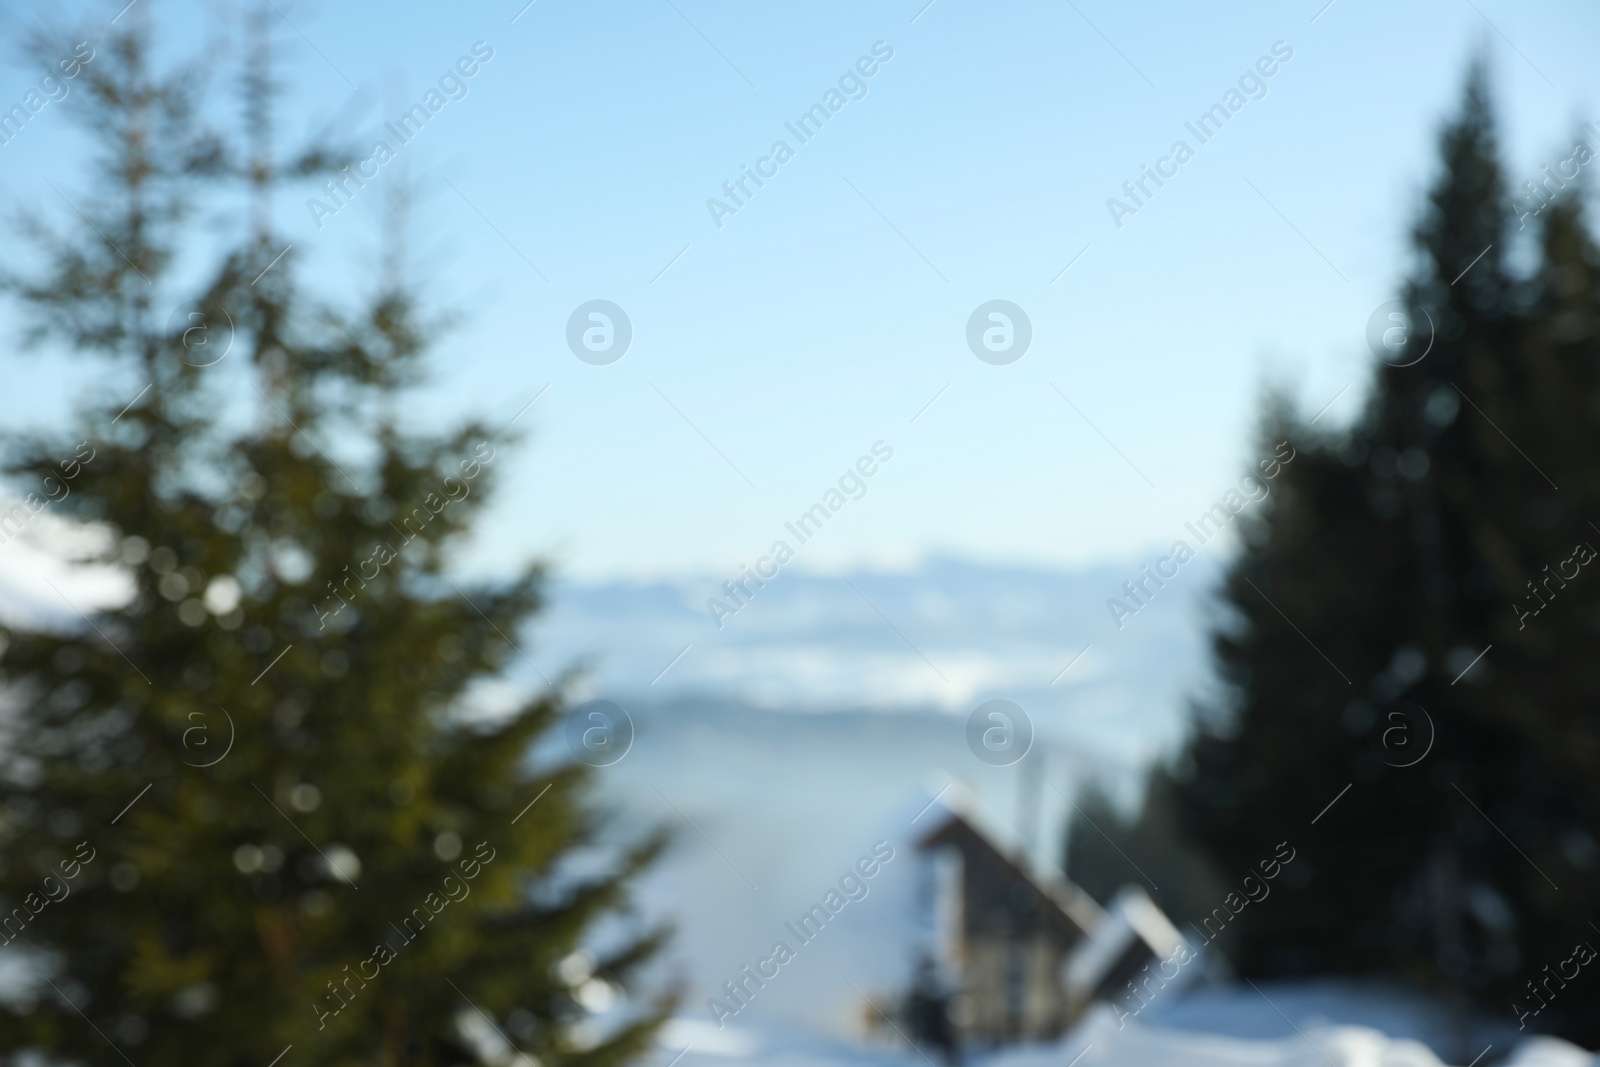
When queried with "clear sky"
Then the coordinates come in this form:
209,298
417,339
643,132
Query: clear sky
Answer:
770,352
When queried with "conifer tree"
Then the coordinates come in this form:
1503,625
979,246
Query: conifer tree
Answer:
1370,584
1107,849
247,811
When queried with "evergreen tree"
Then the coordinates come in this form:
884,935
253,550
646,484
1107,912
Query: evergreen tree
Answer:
1107,849
1387,559
247,808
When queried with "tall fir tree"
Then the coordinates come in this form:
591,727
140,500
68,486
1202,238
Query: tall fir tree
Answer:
248,808
1377,638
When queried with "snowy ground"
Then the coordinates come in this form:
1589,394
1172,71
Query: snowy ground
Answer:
1303,1025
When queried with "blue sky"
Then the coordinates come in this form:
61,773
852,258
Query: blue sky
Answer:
832,308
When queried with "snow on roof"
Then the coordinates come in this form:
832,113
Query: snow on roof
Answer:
1148,920
1132,916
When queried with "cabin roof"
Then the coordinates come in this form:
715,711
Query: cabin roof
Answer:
958,820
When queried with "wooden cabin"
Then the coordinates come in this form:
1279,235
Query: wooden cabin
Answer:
1012,950
1000,931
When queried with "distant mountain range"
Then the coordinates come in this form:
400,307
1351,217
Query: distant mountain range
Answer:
940,638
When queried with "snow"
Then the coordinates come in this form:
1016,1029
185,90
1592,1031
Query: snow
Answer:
1276,1010
43,584
1219,1027
1131,916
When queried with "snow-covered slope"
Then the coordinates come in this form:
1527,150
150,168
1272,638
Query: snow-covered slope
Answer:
1099,1041
1323,1038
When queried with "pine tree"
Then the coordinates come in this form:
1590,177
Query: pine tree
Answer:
1387,559
1107,849
249,808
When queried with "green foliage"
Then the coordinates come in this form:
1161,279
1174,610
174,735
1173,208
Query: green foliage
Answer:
1108,849
218,799
1387,559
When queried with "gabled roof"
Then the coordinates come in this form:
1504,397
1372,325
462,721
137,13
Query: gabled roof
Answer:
955,810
